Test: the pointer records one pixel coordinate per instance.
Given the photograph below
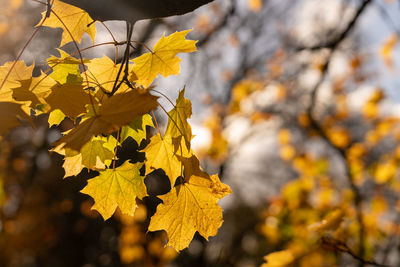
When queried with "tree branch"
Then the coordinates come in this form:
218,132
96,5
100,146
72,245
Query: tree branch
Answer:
332,44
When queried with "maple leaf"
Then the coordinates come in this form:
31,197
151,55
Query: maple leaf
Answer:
73,165
70,98
74,22
18,73
177,122
56,117
103,72
65,68
10,115
162,60
35,90
117,187
95,154
115,112
189,207
162,154
136,129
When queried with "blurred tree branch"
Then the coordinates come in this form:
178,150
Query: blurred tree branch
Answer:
332,45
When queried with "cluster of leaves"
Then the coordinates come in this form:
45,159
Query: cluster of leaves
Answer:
109,108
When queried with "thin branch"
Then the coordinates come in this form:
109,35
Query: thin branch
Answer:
221,24
343,247
332,44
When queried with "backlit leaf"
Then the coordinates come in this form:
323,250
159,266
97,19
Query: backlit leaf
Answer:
74,22
187,208
136,129
19,73
115,112
161,154
34,89
70,98
117,187
163,59
102,72
177,119
65,68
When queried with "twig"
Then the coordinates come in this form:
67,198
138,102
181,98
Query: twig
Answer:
343,247
333,45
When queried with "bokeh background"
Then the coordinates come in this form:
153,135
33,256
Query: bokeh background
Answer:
295,106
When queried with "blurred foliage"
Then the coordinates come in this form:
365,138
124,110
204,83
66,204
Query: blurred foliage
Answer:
341,208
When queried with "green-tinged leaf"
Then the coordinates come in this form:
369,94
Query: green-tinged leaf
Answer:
136,129
95,154
65,68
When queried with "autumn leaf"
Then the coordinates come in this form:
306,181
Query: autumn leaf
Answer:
11,79
189,207
177,119
74,22
162,60
56,117
136,129
95,154
117,187
66,68
161,154
70,98
115,112
102,72
35,90
73,165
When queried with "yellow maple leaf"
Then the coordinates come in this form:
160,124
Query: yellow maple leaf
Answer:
161,153
56,117
136,129
35,90
73,165
66,68
115,112
177,119
70,98
163,60
117,187
11,79
187,208
73,20
95,154
102,72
